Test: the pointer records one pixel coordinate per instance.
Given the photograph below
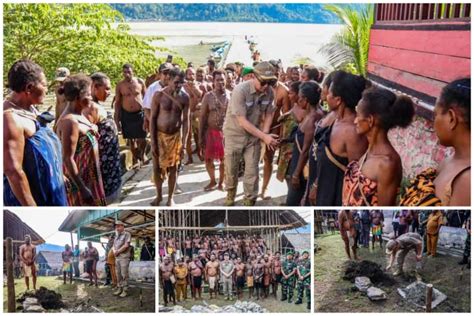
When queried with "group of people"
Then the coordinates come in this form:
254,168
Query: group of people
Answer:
75,164
229,264
412,230
118,254
331,133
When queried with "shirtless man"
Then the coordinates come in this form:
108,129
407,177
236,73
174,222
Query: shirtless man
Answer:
348,232
239,277
128,113
377,219
195,96
213,111
169,125
166,274
28,257
405,218
267,275
188,247
249,275
211,66
283,105
204,86
258,272
196,269
212,267
196,244
276,273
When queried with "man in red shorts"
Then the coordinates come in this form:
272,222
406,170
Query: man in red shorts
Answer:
213,111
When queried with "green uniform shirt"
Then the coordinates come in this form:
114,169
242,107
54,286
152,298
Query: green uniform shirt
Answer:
288,266
304,267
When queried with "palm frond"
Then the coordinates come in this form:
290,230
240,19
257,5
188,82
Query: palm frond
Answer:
351,45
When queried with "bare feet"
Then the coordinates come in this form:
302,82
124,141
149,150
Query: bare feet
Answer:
264,197
190,161
211,186
220,187
170,202
156,201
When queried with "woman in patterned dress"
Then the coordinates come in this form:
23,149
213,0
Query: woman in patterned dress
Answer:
375,178
79,138
109,147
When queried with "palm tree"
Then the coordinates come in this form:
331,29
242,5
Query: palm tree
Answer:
349,49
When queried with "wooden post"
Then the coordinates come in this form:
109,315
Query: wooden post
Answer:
10,279
429,297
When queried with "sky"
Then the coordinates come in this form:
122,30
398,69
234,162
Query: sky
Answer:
46,224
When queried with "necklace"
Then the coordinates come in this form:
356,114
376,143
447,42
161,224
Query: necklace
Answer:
220,115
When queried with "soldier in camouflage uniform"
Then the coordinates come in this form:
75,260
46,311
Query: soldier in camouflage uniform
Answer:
288,280
303,282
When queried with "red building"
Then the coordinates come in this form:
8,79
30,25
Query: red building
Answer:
416,49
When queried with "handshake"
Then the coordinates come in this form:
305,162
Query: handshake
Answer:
271,140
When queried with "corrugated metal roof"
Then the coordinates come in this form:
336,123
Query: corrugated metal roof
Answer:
49,247
54,259
299,241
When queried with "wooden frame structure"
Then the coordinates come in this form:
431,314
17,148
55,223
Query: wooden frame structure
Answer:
267,223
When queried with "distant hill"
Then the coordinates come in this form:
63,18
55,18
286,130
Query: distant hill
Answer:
234,12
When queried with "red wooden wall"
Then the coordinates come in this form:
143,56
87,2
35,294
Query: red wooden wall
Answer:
419,57
417,49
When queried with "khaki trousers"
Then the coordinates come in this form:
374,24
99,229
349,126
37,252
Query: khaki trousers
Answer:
234,151
121,267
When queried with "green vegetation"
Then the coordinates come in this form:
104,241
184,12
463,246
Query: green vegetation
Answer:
82,37
229,12
349,49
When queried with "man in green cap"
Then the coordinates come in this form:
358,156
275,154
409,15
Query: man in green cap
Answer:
288,280
303,283
247,74
247,124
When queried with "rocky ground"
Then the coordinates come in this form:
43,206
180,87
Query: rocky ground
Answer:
245,305
333,293
79,297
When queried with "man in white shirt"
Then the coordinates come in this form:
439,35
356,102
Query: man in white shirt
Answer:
156,86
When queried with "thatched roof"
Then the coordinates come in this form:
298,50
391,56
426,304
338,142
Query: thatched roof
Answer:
16,229
287,219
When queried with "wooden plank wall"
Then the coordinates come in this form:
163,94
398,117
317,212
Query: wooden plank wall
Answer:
419,59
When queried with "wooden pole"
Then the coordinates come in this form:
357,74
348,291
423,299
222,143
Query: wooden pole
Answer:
10,280
429,297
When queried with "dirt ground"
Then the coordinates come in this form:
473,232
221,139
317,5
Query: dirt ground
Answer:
333,294
272,304
101,297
